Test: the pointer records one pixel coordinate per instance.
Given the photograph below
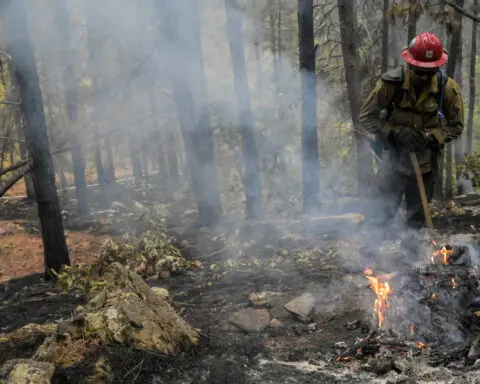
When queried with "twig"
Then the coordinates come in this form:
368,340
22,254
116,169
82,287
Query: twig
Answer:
463,11
135,367
14,167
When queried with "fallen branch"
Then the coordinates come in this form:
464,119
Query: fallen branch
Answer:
14,177
13,167
463,11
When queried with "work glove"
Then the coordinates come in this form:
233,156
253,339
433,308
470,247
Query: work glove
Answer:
431,141
407,139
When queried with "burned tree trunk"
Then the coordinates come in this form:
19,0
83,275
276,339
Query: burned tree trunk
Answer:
172,159
412,20
458,143
253,187
310,167
19,46
23,154
194,118
110,172
94,45
351,60
78,158
473,63
385,39
454,53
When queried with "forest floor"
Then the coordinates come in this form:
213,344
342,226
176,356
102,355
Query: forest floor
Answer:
238,261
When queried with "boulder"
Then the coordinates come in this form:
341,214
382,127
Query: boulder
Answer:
301,306
251,320
25,371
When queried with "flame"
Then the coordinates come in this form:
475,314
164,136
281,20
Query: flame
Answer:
383,290
444,253
421,345
433,296
477,313
412,329
454,284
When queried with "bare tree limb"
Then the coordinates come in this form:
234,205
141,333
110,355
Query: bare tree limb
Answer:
13,167
463,11
13,178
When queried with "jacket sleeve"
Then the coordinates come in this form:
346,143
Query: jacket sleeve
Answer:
454,114
377,100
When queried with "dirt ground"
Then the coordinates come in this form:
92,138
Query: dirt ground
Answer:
207,298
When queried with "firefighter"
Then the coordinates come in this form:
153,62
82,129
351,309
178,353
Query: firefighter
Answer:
413,108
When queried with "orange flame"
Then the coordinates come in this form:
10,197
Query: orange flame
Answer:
454,284
421,345
433,296
383,290
444,253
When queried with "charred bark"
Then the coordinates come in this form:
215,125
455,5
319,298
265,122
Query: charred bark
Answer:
172,159
310,166
19,46
95,47
110,163
252,182
78,158
472,91
351,60
454,54
23,154
412,20
18,171
385,35
194,118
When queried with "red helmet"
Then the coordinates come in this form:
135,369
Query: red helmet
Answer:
425,51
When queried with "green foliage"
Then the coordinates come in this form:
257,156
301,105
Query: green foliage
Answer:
470,168
79,277
150,254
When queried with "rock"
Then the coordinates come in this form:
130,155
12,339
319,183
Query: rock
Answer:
394,378
341,345
402,364
251,320
25,371
312,327
381,366
264,299
352,325
128,312
164,275
301,306
477,363
274,323
474,352
46,351
162,292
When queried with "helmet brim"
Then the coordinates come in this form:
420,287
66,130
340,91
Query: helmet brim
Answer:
424,64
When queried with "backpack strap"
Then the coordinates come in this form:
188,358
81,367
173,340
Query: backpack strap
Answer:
442,78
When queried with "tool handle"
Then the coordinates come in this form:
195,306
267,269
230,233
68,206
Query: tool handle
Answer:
421,188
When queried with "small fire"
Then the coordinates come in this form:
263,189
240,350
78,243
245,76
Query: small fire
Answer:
433,297
454,284
477,313
421,345
383,290
444,253
412,329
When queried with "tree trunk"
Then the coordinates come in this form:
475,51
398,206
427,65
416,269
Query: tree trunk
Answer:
19,46
110,172
258,61
385,40
310,166
23,154
78,158
95,47
351,60
473,63
145,165
172,160
458,143
454,53
194,118
273,41
252,182
412,21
